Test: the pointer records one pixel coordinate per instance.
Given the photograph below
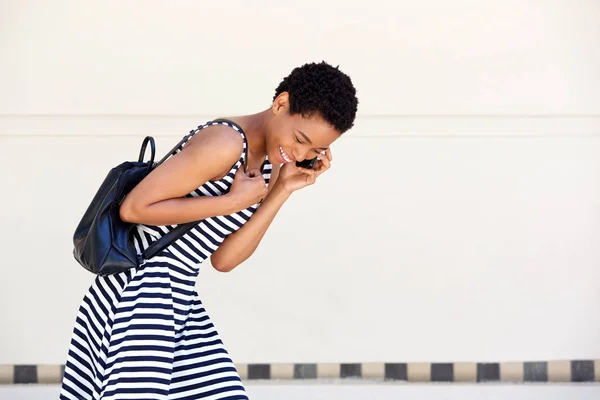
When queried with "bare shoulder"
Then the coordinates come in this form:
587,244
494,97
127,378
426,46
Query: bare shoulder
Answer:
226,139
208,154
217,143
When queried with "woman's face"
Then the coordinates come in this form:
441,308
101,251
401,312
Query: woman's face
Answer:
292,138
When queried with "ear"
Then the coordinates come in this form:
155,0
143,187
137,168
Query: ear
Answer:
281,103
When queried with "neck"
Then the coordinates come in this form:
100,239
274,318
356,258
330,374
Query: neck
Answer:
254,127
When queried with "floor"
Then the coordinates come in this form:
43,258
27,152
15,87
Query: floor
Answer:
356,391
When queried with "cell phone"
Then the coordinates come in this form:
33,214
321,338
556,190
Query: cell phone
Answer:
308,164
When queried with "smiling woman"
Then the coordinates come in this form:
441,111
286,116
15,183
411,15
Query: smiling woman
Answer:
144,332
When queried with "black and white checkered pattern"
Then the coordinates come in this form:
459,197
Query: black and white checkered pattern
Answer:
516,372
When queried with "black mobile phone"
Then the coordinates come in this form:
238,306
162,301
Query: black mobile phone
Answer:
306,163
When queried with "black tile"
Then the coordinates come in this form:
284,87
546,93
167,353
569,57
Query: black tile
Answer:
259,371
398,372
305,371
582,371
351,371
25,374
488,372
535,371
442,372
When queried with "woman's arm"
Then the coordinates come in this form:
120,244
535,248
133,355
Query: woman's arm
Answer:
159,198
240,245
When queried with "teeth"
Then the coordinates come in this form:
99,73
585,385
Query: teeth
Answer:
283,155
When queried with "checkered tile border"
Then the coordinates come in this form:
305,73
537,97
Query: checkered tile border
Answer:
543,371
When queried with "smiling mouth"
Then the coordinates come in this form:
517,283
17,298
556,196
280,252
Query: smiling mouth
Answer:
284,156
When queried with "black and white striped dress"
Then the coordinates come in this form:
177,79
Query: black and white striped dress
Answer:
144,333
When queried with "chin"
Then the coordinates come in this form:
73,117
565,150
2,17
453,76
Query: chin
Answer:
273,154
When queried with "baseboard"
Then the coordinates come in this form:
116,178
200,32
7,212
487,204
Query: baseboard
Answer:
510,372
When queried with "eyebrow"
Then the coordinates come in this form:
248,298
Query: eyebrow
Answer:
308,139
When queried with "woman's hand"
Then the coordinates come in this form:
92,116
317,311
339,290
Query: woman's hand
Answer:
292,178
247,188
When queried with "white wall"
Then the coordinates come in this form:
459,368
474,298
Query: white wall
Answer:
460,222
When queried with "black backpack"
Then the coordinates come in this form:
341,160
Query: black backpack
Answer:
103,242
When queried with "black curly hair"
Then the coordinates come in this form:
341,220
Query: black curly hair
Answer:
324,90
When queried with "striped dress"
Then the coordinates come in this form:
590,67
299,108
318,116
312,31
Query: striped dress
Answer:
144,333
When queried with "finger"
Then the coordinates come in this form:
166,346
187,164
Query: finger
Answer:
240,174
306,171
311,175
254,172
312,178
257,177
322,165
325,162
328,154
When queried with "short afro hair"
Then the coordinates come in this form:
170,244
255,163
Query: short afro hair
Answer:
324,90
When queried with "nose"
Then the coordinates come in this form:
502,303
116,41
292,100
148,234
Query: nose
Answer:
300,154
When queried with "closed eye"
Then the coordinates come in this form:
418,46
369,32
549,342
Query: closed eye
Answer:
317,151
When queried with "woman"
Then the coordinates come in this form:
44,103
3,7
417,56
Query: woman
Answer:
144,334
